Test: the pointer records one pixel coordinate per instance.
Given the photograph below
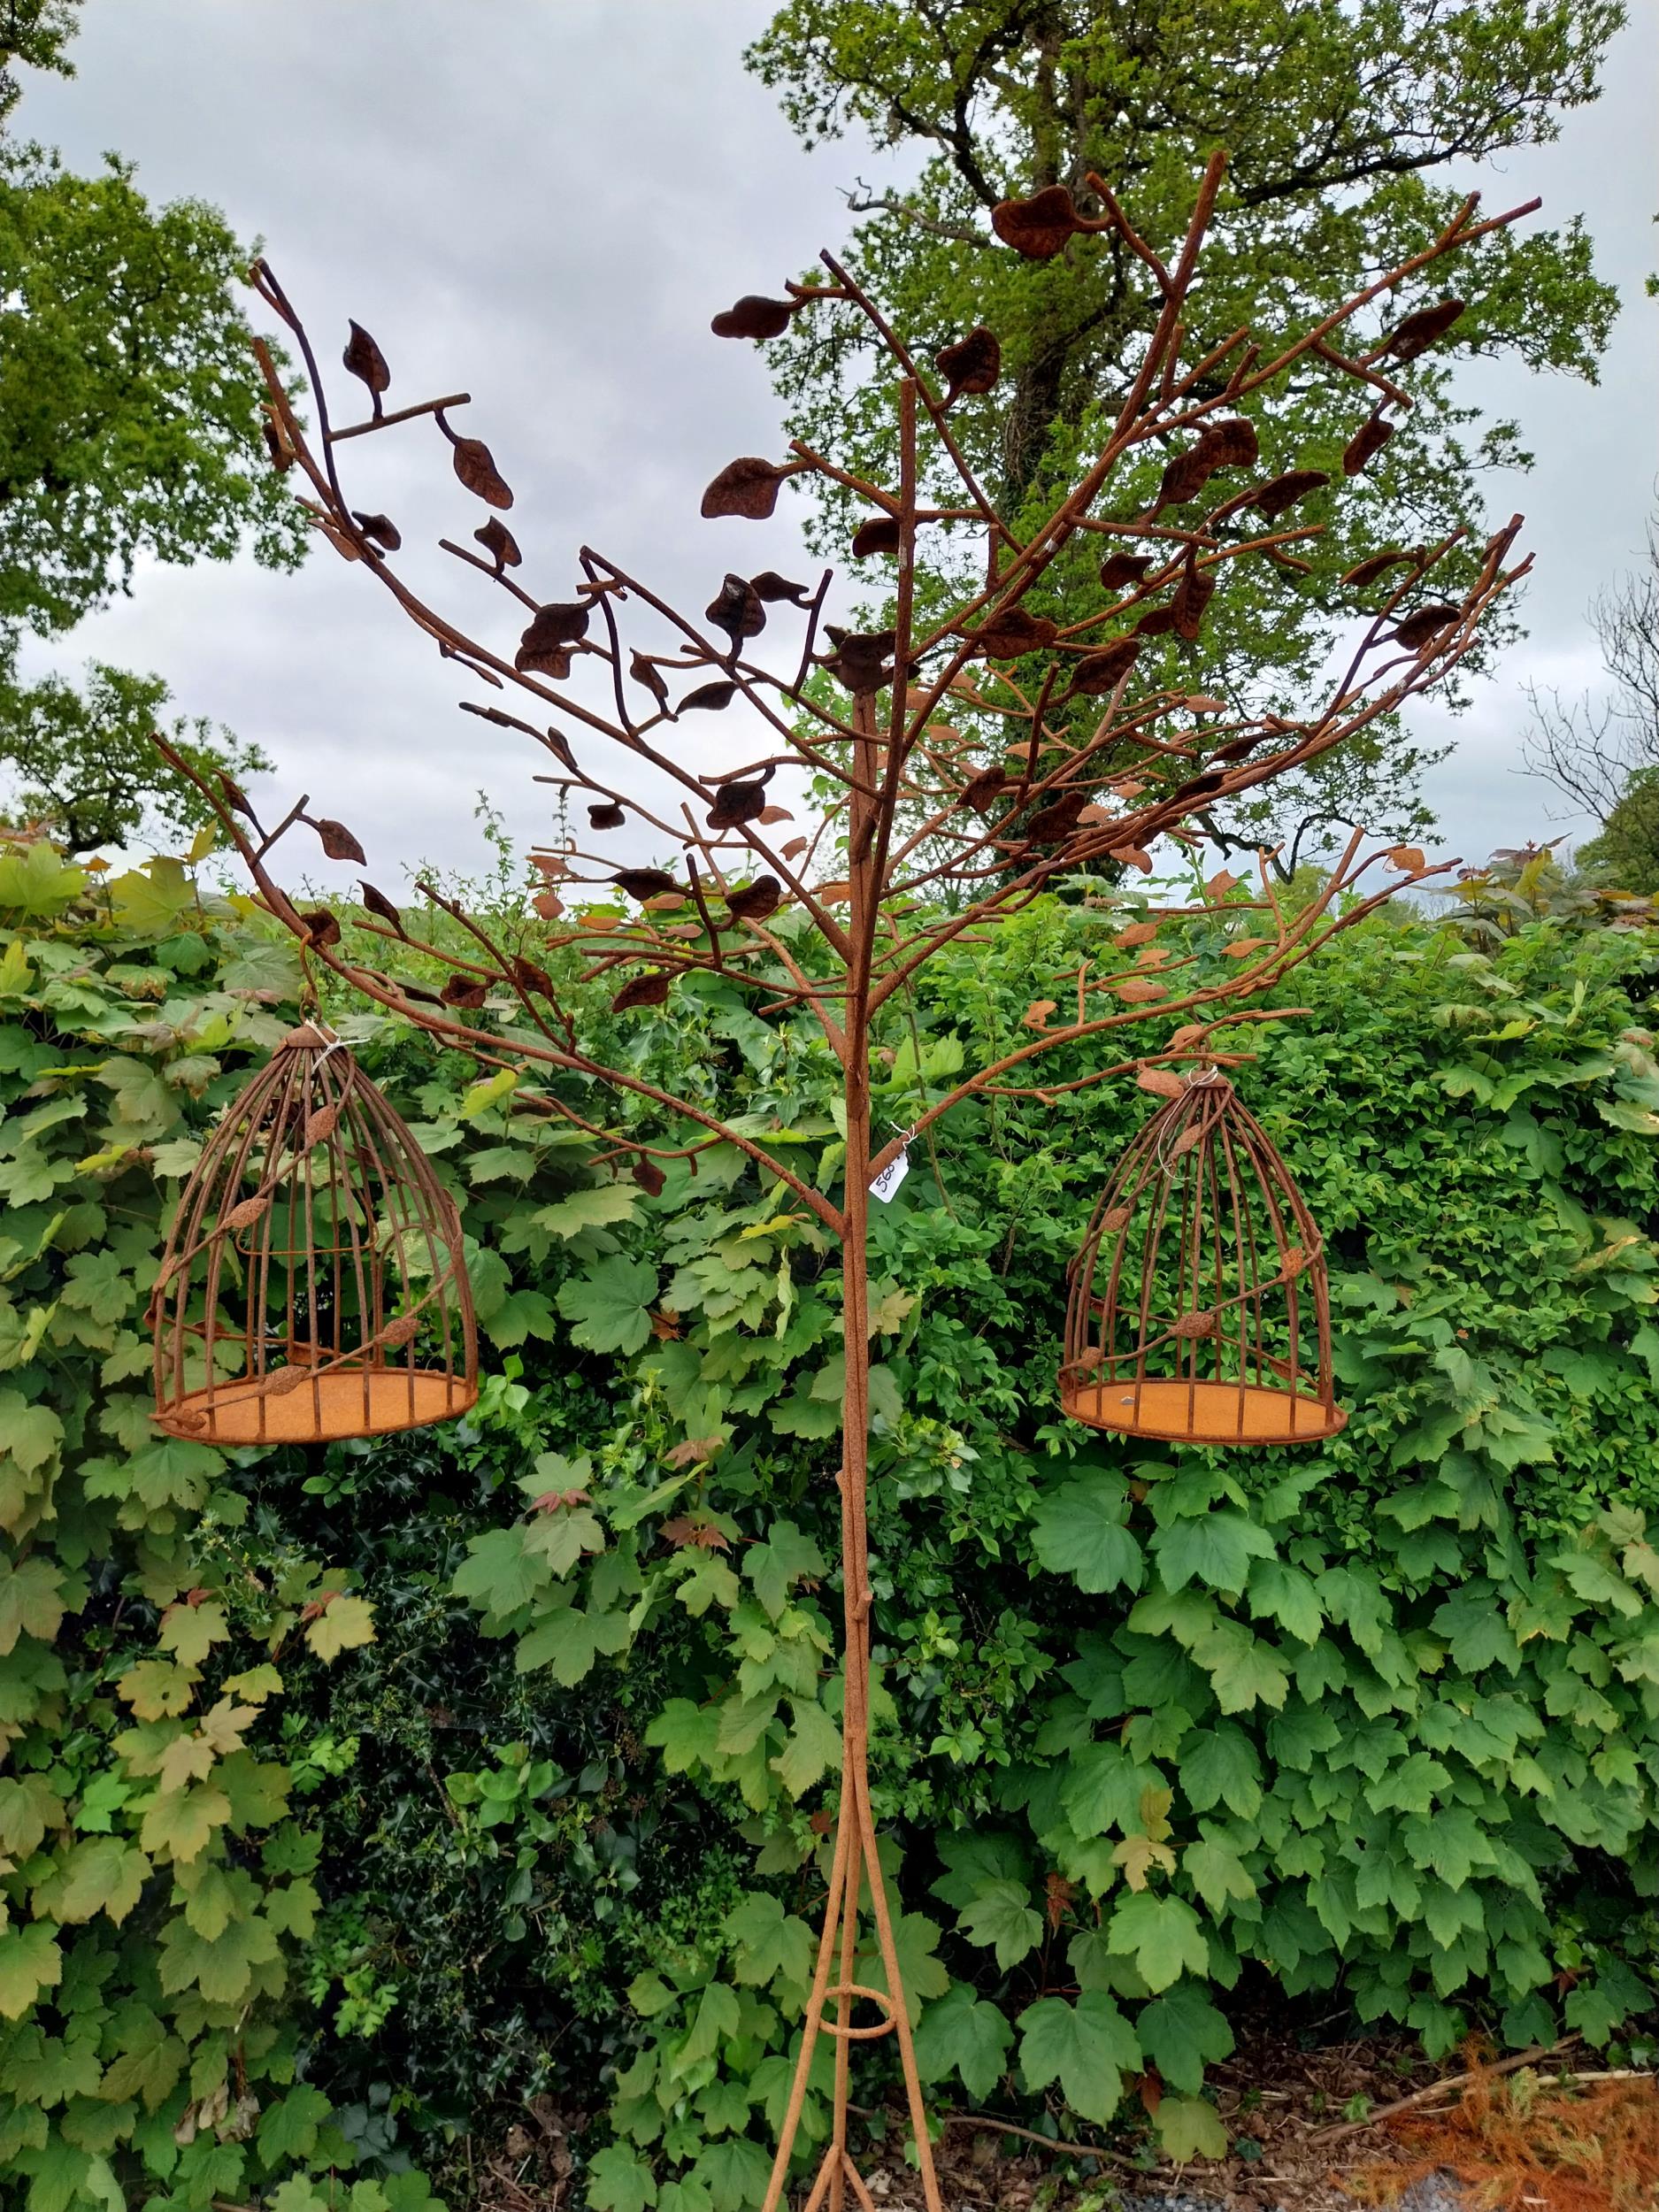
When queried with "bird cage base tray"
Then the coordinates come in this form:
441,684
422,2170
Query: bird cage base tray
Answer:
1201,1412
353,1401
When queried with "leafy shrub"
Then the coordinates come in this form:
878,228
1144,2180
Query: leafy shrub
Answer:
156,1885
1152,1726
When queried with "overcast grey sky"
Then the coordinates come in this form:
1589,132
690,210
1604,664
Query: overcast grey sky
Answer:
543,201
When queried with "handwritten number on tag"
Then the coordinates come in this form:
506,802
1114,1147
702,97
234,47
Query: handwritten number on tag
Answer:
891,1176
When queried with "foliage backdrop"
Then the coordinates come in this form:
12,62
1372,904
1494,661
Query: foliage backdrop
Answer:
343,1802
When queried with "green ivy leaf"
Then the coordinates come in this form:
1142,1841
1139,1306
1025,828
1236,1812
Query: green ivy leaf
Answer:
610,1305
288,2128
1189,2127
1002,1916
784,1558
620,2181
1087,2047
1219,1764
1079,1530
1182,2033
31,1601
735,2172
30,1962
1161,1935
961,2034
772,1945
813,1749
30,1433
1214,1548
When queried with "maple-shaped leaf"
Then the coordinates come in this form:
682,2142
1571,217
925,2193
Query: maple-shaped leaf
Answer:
343,1623
1000,1916
962,2034
182,1822
1079,1530
772,1945
1088,2047
1161,1935
221,1966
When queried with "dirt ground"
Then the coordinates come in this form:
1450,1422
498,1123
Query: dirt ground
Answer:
1314,2131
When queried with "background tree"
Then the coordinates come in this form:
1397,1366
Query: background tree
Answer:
129,428
80,763
1604,760
1341,120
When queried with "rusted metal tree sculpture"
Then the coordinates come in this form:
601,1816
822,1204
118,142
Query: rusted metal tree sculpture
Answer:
1053,765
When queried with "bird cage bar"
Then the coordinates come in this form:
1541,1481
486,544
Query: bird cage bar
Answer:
1198,1310
312,1252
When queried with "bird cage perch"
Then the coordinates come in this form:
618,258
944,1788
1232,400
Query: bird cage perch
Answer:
313,1288
1199,1312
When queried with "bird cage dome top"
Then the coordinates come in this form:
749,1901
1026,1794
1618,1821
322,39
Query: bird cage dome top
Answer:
1199,1312
312,1287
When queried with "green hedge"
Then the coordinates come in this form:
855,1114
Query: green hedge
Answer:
1153,1727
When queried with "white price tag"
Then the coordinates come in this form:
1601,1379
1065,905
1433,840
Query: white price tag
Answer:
891,1176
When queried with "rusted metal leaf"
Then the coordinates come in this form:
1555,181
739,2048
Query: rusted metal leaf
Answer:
650,1177
529,977
1367,571
339,843
404,1331
544,649
861,658
1184,478
645,670
646,883
754,316
755,901
735,803
320,1125
1038,227
1124,568
878,534
1162,1082
244,1214
1418,332
737,610
363,358
1425,624
769,586
1011,630
1098,674
464,990
477,470
1193,594
321,928
1055,822
747,486
607,815
1271,499
642,990
380,529
378,903
1230,443
1367,442
715,697
969,364
980,790
499,542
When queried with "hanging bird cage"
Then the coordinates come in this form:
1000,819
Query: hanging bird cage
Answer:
312,1287
1199,1312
